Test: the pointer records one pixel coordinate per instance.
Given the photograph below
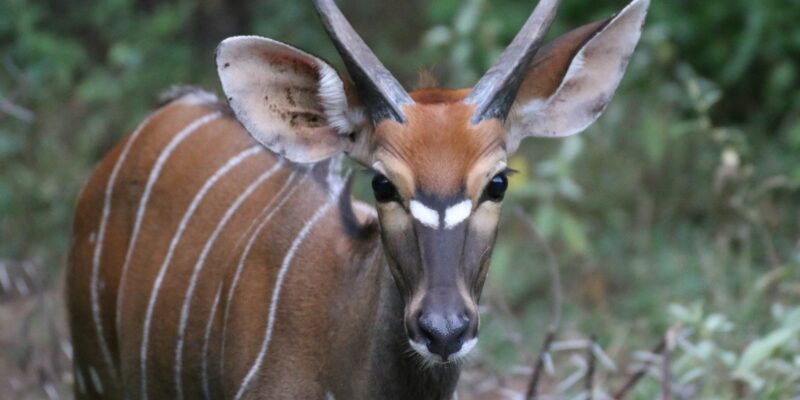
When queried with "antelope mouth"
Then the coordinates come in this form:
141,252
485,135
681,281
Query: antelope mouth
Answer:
421,349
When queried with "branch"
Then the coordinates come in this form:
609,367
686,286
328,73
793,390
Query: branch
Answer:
555,311
666,364
634,379
552,265
16,111
533,387
590,369
7,104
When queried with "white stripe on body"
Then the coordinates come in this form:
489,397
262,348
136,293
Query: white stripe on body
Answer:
283,198
275,296
198,267
151,180
79,380
206,339
245,238
98,249
96,382
198,198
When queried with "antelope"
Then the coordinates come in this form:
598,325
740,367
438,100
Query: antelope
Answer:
218,253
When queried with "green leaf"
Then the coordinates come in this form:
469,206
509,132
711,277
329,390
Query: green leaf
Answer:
546,220
574,234
761,349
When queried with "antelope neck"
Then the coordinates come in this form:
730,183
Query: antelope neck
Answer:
395,372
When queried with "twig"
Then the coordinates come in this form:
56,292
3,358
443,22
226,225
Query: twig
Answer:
13,69
552,266
590,367
666,365
634,379
533,387
16,111
7,104
555,311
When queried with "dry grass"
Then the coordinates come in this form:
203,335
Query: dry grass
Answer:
35,352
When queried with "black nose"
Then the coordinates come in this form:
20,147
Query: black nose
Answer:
443,334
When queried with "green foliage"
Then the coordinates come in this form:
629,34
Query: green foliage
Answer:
711,365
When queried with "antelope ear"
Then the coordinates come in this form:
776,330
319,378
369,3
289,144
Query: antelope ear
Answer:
571,80
288,100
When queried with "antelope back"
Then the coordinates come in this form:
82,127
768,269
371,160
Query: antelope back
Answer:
184,239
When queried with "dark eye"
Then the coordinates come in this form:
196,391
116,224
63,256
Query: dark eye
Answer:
496,188
383,189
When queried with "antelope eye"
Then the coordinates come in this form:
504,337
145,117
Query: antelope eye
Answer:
383,189
496,188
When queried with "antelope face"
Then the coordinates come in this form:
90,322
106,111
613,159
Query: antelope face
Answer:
439,156
438,184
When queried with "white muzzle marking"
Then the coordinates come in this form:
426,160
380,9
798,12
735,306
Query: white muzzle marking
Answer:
422,350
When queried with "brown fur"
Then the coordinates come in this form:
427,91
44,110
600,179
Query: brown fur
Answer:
437,143
313,341
181,177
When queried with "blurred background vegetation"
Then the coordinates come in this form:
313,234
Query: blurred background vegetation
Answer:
679,209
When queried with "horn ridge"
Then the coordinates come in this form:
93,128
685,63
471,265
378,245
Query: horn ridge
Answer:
494,93
382,95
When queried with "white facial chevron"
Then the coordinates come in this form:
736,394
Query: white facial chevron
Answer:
424,214
453,215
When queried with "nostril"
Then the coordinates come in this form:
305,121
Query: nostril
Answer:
443,334
460,323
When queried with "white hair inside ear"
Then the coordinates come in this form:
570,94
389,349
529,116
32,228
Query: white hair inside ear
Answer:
343,117
591,79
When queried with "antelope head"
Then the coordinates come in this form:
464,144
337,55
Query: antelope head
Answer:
438,156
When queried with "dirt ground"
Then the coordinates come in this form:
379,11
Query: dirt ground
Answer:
35,351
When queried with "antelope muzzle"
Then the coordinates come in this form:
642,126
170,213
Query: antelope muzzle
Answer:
444,329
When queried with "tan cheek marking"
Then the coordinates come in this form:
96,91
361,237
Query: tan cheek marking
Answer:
393,217
466,297
395,221
482,171
485,218
398,172
415,304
